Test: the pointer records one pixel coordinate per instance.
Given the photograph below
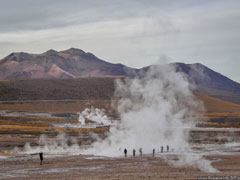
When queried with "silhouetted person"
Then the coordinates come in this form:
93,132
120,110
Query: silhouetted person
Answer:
125,152
41,157
140,151
153,152
167,148
161,149
134,152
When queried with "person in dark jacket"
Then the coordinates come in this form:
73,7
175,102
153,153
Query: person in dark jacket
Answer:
134,152
125,152
41,157
161,149
153,152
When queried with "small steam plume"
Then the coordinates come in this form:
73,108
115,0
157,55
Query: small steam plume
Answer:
95,115
61,145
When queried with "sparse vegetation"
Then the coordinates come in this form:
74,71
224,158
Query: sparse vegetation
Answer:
57,89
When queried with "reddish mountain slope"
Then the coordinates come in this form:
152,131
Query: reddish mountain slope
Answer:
71,63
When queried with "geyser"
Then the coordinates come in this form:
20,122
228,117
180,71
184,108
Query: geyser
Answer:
155,109
95,115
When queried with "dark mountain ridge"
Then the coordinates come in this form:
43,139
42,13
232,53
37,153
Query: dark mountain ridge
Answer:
211,83
201,75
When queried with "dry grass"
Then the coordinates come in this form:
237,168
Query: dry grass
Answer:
217,105
39,125
218,125
31,121
57,89
220,114
35,130
43,125
212,105
57,107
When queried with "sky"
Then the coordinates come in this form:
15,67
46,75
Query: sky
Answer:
136,33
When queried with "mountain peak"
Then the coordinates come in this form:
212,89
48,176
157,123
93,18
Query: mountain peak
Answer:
18,56
74,51
50,52
198,66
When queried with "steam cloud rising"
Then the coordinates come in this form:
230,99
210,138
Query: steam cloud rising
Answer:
156,110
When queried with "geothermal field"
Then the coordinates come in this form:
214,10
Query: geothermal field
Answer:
119,90
173,132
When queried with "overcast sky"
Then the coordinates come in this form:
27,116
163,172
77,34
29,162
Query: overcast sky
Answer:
136,33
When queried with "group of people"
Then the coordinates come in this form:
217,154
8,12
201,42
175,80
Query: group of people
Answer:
125,152
141,152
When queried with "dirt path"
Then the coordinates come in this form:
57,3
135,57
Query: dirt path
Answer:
88,167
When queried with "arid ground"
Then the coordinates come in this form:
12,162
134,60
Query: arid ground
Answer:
25,122
96,168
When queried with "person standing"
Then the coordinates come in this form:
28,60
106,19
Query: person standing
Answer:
134,152
153,152
41,157
125,152
167,148
140,151
161,149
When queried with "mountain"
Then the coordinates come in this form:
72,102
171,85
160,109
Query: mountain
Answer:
71,63
204,80
202,76
75,63
210,83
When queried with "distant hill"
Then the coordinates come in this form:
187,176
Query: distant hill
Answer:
57,89
206,81
75,63
203,76
216,105
210,83
71,63
83,89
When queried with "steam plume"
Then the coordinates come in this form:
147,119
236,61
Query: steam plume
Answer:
156,110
